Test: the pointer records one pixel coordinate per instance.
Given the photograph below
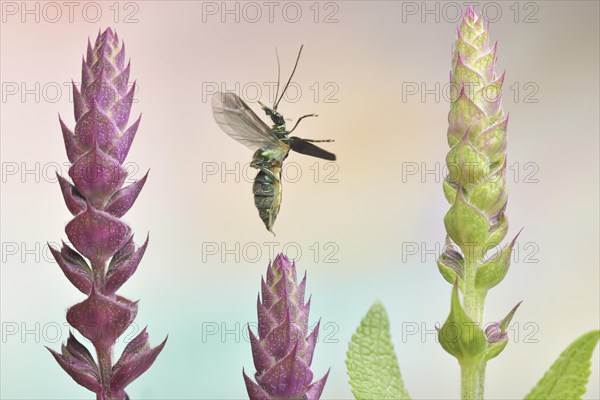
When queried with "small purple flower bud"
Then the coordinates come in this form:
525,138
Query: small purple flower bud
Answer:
497,335
494,333
283,350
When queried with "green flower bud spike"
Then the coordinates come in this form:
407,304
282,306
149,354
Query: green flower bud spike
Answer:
476,189
473,260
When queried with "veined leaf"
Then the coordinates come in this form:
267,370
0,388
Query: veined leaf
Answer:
568,376
372,364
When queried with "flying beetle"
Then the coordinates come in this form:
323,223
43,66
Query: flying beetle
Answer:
271,145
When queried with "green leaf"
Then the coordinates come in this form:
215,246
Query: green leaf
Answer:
493,270
494,349
490,196
467,227
449,190
497,233
567,377
466,165
372,364
460,335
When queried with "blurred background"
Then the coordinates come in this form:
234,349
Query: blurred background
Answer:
367,227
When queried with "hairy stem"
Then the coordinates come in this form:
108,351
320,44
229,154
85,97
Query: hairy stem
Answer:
473,379
473,297
105,366
104,354
99,272
473,372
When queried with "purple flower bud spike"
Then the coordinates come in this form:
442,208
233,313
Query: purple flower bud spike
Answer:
283,350
104,255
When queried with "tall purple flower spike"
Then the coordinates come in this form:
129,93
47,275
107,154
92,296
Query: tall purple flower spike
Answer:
105,255
284,350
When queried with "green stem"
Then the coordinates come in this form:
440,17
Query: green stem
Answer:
473,372
472,380
473,298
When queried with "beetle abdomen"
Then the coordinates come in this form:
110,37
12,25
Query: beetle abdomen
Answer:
267,196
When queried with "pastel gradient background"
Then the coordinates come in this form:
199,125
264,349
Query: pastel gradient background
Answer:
364,229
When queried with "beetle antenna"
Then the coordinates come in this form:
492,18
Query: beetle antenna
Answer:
289,80
278,76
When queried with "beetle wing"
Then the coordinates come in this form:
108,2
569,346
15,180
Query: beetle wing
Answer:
238,120
302,146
